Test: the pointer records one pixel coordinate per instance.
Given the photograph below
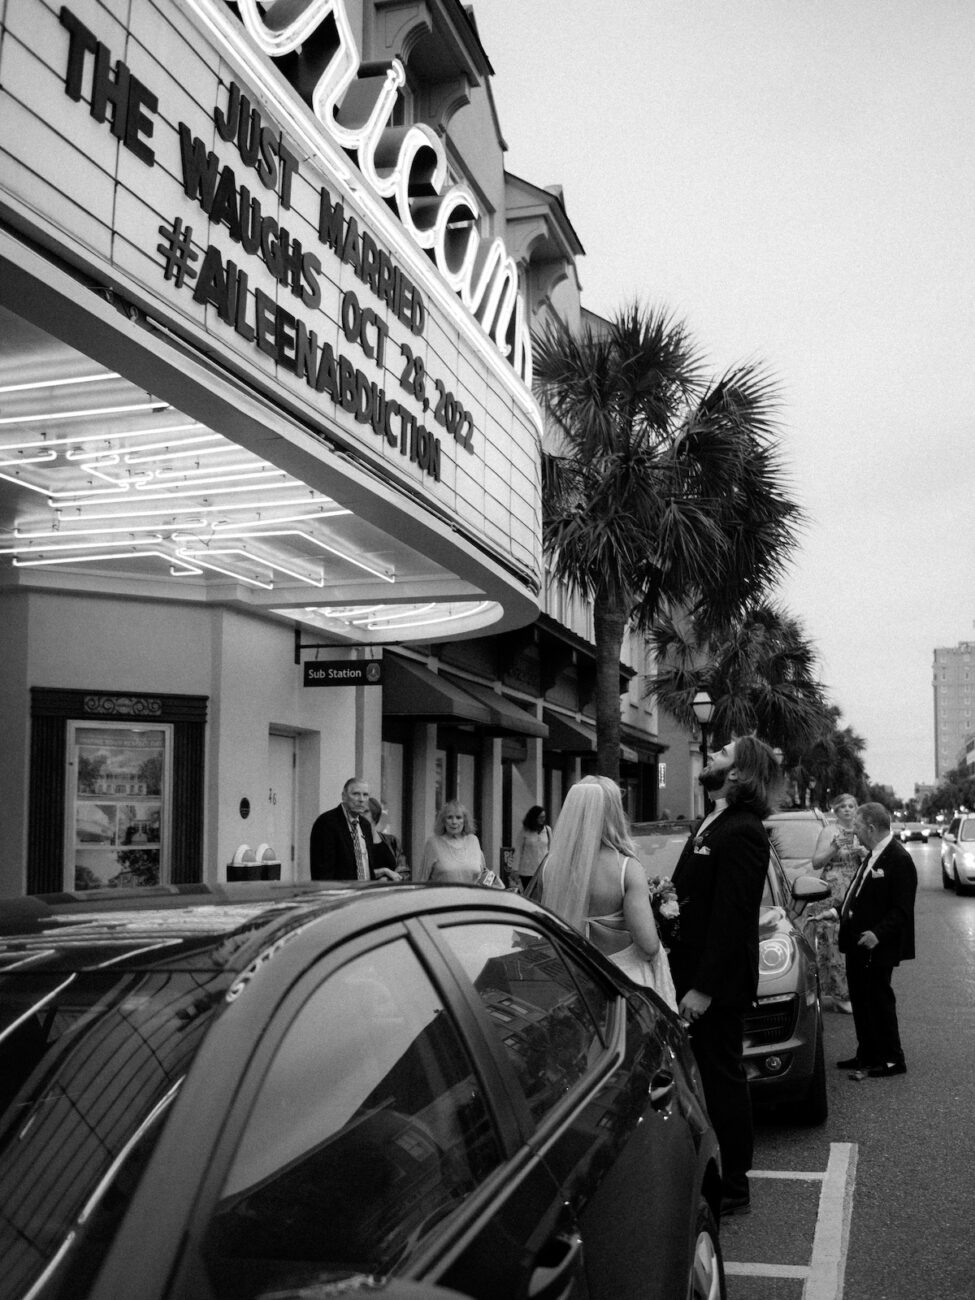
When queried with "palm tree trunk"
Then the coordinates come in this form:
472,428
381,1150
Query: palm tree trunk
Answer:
609,621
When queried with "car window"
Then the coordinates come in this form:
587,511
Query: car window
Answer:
953,828
795,839
551,1023
775,892
967,829
369,1127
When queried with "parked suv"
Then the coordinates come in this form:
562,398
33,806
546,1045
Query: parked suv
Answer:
958,854
794,834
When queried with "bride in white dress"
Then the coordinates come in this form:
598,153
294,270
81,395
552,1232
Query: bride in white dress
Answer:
593,879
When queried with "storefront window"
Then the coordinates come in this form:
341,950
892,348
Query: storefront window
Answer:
118,793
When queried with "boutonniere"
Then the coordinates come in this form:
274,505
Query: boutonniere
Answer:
700,846
876,872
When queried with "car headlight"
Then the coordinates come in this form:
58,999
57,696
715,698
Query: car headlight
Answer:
968,857
776,955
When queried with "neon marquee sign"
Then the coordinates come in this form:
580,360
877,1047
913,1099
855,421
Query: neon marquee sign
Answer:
402,165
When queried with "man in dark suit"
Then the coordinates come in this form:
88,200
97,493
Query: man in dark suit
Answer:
341,839
876,934
719,881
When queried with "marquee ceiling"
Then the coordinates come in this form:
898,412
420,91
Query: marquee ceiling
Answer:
103,484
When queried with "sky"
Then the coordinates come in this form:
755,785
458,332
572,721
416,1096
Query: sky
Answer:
796,180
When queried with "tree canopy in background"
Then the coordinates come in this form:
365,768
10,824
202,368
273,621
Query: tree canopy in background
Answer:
662,490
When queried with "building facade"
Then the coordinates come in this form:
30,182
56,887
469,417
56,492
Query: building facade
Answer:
269,491
953,677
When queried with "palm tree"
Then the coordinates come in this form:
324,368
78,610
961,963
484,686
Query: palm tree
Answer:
759,669
832,764
659,490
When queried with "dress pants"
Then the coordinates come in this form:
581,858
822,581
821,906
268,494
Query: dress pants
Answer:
874,1009
717,1042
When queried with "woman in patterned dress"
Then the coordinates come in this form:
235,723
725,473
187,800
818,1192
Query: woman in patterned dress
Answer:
836,857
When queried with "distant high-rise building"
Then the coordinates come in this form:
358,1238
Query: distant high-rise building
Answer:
954,704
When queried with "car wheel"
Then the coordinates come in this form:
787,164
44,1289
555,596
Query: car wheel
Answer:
959,887
814,1107
945,878
706,1281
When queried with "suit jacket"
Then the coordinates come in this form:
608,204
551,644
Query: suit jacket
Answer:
719,879
885,905
332,850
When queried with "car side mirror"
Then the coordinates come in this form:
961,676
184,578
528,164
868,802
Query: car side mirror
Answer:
810,889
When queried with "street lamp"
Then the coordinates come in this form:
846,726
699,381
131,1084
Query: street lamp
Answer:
703,707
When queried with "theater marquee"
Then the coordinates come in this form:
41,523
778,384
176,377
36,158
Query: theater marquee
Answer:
319,250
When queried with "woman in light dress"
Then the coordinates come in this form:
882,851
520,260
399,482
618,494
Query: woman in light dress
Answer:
836,857
593,879
453,851
533,843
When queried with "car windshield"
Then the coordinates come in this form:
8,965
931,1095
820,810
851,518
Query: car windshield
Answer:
795,839
89,1064
967,829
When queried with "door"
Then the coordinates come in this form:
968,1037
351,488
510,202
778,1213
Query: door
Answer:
369,1148
280,819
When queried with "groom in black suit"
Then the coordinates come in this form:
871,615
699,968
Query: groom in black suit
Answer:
719,881
877,934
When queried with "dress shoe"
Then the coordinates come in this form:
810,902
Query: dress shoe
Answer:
887,1070
735,1205
851,1063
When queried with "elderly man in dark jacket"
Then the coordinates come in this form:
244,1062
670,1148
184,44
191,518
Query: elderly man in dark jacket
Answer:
877,934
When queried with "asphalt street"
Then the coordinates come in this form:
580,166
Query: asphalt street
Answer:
879,1203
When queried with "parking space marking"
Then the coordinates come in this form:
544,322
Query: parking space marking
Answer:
828,1266
825,1272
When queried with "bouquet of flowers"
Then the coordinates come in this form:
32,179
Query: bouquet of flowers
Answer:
666,910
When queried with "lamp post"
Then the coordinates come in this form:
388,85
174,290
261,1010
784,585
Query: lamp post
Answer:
703,707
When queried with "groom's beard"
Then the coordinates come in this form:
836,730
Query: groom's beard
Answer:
712,781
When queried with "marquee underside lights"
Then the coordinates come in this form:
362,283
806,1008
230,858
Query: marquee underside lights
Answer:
381,624
167,500
192,506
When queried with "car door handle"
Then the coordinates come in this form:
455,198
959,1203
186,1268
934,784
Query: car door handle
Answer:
662,1088
556,1266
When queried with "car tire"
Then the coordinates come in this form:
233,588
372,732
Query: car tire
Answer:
706,1280
814,1107
946,880
959,887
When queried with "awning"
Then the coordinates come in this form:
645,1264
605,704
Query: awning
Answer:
568,734
575,737
508,718
645,746
412,691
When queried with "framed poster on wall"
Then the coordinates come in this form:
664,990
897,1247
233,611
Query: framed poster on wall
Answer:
118,793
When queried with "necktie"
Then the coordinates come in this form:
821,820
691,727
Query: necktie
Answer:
358,844
855,886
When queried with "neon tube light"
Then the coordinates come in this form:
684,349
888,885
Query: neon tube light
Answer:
76,546
60,383
181,569
193,553
164,510
380,624
52,416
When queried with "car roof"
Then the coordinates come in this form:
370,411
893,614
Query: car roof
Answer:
798,814
221,927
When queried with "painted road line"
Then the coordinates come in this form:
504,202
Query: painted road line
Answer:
802,1175
828,1267
824,1274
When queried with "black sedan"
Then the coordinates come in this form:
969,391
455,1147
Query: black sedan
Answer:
257,1091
